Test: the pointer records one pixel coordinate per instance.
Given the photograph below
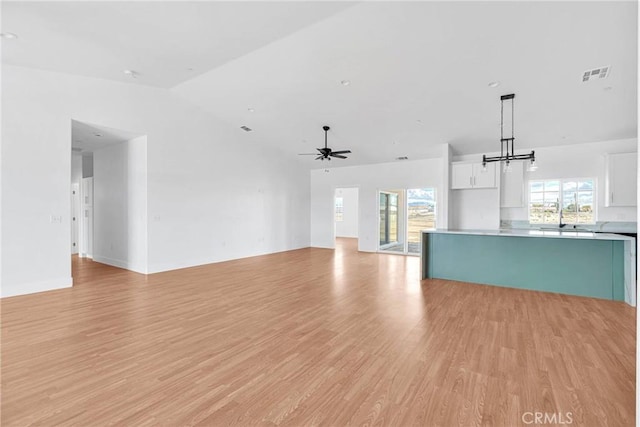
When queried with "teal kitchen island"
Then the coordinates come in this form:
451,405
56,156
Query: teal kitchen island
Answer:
567,262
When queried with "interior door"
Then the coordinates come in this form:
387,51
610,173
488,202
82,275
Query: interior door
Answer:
75,220
86,218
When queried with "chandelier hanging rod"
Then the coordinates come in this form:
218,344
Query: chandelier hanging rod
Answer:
507,145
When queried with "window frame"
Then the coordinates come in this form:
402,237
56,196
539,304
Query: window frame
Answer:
562,181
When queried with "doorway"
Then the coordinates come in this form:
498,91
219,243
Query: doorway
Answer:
346,212
403,214
109,166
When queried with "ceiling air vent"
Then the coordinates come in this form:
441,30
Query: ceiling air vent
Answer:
246,128
596,73
402,158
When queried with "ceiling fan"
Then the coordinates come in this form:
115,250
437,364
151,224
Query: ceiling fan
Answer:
326,152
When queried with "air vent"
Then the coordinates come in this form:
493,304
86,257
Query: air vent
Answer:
596,73
77,150
246,128
402,158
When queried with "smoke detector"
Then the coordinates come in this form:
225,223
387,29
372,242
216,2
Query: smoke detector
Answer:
596,73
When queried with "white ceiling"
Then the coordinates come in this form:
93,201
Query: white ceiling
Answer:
407,62
88,137
161,41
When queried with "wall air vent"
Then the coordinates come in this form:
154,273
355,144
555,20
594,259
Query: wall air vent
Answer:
596,73
246,128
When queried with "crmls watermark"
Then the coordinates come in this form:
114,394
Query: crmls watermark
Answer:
541,418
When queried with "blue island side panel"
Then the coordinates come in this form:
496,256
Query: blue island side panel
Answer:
585,267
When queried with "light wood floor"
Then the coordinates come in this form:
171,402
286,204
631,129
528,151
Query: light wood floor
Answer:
312,336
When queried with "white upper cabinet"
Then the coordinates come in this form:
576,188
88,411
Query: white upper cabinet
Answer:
461,175
471,175
512,186
621,179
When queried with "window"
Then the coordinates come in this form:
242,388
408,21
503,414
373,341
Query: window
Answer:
576,196
339,209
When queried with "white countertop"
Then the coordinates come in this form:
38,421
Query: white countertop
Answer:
536,233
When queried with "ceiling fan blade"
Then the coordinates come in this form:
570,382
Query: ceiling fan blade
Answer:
342,152
319,157
337,155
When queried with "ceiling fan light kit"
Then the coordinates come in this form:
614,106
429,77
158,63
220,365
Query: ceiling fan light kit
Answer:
507,149
327,153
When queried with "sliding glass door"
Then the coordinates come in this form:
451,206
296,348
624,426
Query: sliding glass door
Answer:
389,219
403,215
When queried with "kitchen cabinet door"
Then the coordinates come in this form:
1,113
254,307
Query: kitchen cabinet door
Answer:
461,175
622,180
482,178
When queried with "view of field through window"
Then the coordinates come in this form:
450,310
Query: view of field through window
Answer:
576,197
421,212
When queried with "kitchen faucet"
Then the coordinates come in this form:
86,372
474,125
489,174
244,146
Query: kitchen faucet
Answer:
560,225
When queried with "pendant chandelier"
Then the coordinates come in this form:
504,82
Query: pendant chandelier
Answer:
507,150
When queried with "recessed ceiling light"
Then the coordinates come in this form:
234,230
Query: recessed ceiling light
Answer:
9,36
131,73
608,88
190,69
345,82
97,134
251,110
494,84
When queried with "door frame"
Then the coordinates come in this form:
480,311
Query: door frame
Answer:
333,209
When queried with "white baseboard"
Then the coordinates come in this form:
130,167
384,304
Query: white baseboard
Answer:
33,287
118,263
162,267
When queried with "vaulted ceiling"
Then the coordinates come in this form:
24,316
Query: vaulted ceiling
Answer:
418,72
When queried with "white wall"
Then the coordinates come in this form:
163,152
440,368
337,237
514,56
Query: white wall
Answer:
348,227
369,179
475,209
120,205
578,161
87,165
76,168
202,206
